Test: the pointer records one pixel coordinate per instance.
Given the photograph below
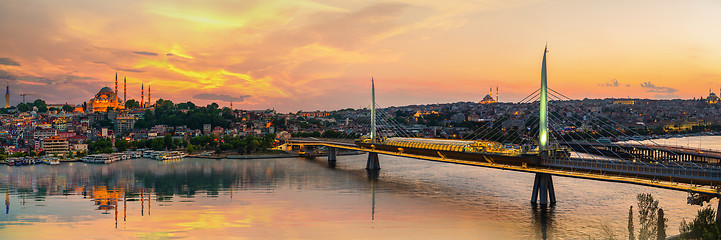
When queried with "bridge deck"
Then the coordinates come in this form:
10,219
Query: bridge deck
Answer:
655,152
554,169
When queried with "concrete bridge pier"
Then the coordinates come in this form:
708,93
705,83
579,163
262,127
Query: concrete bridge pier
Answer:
332,155
373,163
543,186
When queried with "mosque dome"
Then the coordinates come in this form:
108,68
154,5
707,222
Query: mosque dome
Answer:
487,99
712,98
104,99
106,90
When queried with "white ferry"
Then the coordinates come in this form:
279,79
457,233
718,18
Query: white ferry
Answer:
148,153
169,155
133,154
101,158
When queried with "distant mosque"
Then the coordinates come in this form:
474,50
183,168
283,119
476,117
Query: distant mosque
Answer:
712,98
107,98
488,99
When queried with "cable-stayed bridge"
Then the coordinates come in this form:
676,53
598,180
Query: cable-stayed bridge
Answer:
548,139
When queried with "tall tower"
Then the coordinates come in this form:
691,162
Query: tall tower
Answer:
7,96
116,84
373,111
142,95
150,103
125,89
543,118
496,93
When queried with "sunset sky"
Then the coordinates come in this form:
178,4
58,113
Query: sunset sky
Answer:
309,55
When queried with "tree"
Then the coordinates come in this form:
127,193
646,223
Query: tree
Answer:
41,105
23,107
132,103
107,123
166,104
661,225
168,141
157,144
251,145
122,145
647,210
630,223
704,226
68,108
191,105
190,148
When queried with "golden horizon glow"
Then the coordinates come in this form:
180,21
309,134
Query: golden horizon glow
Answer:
318,54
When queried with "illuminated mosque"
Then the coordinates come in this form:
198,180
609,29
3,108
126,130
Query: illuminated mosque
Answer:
107,98
712,98
489,97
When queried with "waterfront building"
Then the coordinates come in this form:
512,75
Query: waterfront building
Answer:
79,147
55,145
41,134
125,122
206,128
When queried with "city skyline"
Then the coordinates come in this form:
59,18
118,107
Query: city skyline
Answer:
321,55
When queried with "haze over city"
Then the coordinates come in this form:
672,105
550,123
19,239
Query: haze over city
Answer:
308,55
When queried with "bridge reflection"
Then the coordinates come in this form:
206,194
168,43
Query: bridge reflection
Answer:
542,220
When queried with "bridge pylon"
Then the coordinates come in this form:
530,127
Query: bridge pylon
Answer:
543,186
332,154
373,163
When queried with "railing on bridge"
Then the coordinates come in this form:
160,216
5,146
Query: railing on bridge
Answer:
637,168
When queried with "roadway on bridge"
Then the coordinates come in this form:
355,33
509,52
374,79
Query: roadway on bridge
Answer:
592,175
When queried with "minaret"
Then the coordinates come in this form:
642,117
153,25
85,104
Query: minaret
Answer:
496,93
142,96
231,105
125,89
116,84
150,103
7,96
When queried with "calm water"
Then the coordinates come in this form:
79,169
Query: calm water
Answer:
306,199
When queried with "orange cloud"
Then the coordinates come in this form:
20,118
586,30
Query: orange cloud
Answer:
290,55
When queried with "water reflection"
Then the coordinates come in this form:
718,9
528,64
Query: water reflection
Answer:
373,179
201,198
542,220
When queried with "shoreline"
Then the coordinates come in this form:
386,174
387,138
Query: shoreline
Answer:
270,155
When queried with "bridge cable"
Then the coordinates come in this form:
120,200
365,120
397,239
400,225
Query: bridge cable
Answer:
532,94
642,144
396,127
648,157
592,156
564,119
493,130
